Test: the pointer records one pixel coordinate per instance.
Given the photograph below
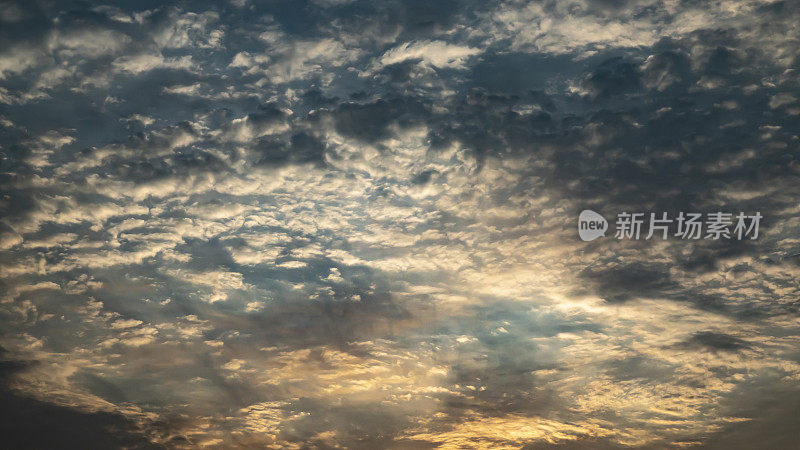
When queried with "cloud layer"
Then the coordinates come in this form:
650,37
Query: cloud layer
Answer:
351,224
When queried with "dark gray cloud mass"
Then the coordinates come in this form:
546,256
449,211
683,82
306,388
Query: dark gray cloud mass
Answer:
351,224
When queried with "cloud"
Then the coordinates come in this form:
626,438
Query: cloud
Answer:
353,223
436,53
144,62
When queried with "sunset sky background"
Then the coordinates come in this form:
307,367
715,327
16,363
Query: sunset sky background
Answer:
353,224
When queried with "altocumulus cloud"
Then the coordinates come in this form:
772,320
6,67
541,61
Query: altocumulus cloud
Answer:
340,223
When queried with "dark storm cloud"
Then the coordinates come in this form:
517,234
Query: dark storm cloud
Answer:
29,423
757,399
613,77
371,121
618,283
301,148
408,20
717,341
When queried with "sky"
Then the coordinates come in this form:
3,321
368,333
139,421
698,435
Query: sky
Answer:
353,224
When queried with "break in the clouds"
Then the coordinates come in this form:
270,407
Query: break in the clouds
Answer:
351,224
